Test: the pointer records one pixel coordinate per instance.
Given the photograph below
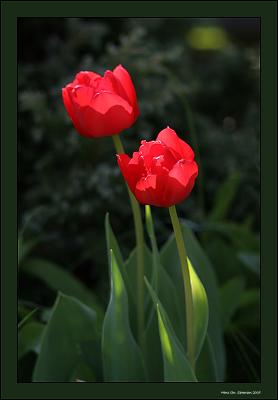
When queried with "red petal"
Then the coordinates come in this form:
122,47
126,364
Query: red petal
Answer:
107,114
179,148
132,169
181,181
146,190
111,83
82,96
113,122
71,110
86,78
103,101
123,76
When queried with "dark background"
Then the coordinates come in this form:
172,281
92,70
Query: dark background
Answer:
201,77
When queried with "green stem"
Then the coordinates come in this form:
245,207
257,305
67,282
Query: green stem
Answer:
155,252
139,234
186,283
155,260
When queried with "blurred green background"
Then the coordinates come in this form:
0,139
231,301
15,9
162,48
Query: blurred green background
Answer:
199,76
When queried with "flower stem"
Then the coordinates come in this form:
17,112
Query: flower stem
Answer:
186,283
139,234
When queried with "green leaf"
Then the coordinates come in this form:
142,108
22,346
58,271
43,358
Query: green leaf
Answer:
251,260
122,359
230,295
29,338
83,373
112,243
240,235
24,248
130,267
204,269
223,253
206,369
162,284
27,318
250,297
176,365
59,279
224,198
153,355
69,338
249,312
200,310
155,253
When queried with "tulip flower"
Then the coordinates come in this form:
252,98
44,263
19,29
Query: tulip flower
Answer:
163,172
101,106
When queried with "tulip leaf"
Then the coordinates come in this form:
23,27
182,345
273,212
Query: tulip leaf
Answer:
176,365
112,243
155,253
29,338
26,318
251,260
152,349
122,359
59,279
170,260
152,355
160,280
240,235
162,285
83,373
154,364
224,197
69,338
200,310
230,294
24,248
206,363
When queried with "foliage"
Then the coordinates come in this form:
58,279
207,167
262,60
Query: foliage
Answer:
67,183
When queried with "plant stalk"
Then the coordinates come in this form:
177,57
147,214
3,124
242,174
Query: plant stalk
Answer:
186,282
139,235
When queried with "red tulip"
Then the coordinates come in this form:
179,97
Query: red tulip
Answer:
163,172
101,106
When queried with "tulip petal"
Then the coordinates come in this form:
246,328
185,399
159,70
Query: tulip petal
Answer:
181,181
123,76
113,122
103,115
86,78
179,148
82,95
101,106
112,84
71,110
145,190
103,101
131,168
152,151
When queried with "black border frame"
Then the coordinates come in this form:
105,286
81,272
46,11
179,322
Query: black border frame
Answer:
263,9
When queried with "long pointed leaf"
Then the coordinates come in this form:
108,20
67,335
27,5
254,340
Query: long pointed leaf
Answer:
204,269
122,359
176,365
200,310
70,330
